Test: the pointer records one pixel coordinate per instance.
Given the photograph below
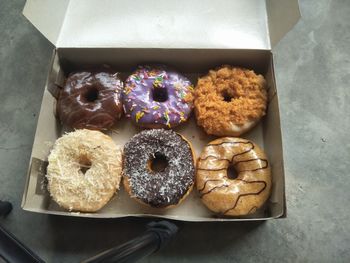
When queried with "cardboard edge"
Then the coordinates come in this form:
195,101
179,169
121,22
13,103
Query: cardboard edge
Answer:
25,192
55,79
176,218
47,16
26,184
282,15
284,209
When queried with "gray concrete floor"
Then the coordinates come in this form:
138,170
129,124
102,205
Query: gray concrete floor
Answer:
313,76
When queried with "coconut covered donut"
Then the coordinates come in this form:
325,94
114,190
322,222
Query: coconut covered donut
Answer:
229,196
84,170
230,101
158,168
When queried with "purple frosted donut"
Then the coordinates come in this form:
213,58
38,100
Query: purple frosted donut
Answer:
155,97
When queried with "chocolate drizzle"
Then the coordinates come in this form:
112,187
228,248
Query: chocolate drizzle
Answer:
205,184
212,189
212,170
247,151
251,161
213,156
247,194
215,187
238,142
265,165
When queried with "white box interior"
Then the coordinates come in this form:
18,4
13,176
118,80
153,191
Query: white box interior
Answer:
191,62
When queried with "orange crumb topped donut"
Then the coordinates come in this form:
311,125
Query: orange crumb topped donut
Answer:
230,100
224,194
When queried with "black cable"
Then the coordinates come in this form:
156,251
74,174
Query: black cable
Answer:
157,235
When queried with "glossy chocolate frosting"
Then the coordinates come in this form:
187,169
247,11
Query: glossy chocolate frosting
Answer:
90,100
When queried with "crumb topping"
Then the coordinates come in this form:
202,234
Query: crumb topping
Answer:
229,95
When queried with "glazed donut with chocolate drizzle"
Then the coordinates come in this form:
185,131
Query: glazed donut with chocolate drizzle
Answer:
90,100
222,160
158,168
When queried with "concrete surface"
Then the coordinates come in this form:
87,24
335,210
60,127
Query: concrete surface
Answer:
313,75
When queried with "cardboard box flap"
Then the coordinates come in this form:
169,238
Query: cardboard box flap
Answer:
282,16
47,16
162,24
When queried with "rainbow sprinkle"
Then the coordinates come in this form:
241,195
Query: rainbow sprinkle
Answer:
166,117
152,73
177,86
139,115
137,78
158,81
182,118
127,90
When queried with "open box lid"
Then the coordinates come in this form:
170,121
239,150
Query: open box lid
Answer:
236,24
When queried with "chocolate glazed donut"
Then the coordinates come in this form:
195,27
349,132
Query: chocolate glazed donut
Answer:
90,100
233,176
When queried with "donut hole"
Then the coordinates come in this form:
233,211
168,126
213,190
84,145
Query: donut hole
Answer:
160,94
85,164
92,94
231,172
227,96
158,163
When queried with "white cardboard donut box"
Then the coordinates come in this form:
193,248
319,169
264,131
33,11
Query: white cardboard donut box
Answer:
192,36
